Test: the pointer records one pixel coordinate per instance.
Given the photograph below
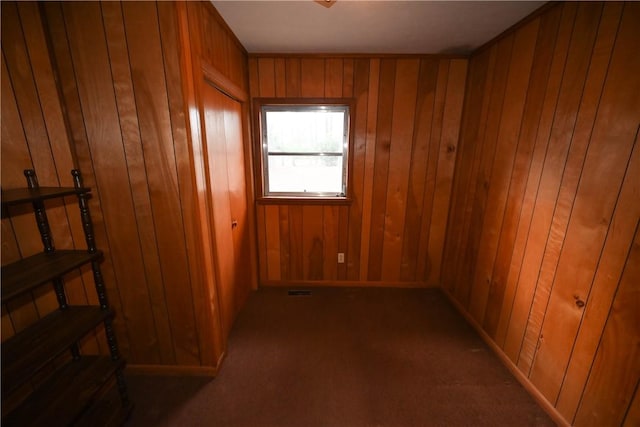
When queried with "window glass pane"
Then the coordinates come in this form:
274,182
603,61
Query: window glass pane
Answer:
311,131
292,174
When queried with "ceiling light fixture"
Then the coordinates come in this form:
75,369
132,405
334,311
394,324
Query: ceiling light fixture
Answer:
326,3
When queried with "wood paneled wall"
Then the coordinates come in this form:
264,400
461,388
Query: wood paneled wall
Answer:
216,63
117,114
34,137
407,119
542,248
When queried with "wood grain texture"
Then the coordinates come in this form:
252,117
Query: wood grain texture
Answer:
150,90
212,346
616,367
34,135
514,325
633,414
112,103
556,201
507,145
603,288
542,204
554,212
411,258
100,116
576,263
132,142
398,162
479,70
404,101
496,313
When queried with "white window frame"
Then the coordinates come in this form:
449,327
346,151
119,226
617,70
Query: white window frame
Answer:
263,106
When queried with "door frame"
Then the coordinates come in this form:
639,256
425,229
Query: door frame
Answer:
194,71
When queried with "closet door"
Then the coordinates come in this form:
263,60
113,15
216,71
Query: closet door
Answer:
226,171
237,200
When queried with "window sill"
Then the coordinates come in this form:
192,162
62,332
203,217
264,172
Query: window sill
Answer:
282,200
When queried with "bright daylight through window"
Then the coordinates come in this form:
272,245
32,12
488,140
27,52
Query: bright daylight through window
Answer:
304,149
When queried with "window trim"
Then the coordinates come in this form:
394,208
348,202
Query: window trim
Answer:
261,155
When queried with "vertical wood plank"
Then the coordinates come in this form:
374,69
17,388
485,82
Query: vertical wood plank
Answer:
167,14
52,114
616,367
312,78
24,76
372,115
132,143
381,167
91,65
15,147
296,248
446,162
508,131
293,77
552,215
511,326
261,225
333,77
254,78
267,80
561,204
272,237
357,236
478,78
508,128
501,296
312,242
20,312
343,239
20,73
489,136
404,101
238,201
212,110
577,266
600,297
425,264
633,413
427,80
149,83
25,121
347,78
62,152
68,87
330,237
361,86
285,243
280,77
460,268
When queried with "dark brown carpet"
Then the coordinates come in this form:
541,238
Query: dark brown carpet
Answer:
344,357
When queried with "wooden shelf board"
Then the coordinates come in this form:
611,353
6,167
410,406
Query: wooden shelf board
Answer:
33,271
68,393
31,349
25,195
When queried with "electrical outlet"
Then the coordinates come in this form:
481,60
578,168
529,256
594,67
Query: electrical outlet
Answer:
340,258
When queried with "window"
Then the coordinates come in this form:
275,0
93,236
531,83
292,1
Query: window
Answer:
305,148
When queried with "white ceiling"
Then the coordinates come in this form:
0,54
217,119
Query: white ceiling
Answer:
359,26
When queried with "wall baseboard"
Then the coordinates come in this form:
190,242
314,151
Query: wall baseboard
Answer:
508,363
343,284
172,370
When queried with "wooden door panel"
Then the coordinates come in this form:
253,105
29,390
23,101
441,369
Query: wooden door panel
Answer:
237,200
213,112
226,171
